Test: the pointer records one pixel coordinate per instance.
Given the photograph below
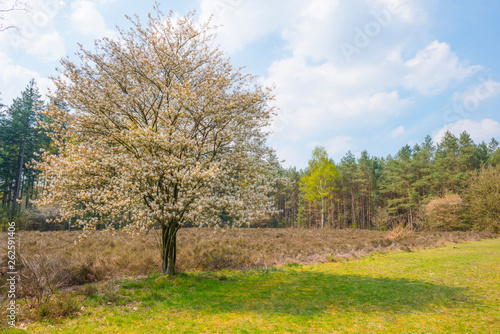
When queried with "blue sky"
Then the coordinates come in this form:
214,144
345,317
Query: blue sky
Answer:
348,74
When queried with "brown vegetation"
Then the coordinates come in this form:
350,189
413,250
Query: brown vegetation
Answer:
444,214
483,197
51,260
400,233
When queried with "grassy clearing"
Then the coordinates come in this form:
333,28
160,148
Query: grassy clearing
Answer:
51,260
113,255
453,289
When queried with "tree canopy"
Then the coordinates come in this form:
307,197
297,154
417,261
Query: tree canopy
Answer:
20,140
317,184
164,132
483,197
372,192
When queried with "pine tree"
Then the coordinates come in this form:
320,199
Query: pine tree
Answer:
380,192
447,164
493,152
287,198
469,160
349,189
21,140
423,167
365,180
398,187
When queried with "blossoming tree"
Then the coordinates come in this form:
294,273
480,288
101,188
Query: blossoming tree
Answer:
163,132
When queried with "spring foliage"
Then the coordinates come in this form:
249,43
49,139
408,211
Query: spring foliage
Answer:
483,197
374,192
318,183
164,132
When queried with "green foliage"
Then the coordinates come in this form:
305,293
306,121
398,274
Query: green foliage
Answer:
427,291
317,185
60,306
493,152
20,141
286,199
483,198
398,186
381,218
381,193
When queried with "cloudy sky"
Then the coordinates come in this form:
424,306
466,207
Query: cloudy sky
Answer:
348,74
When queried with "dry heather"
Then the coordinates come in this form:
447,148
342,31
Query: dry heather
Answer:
50,260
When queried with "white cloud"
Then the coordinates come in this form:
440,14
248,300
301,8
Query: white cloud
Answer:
326,98
49,47
242,22
87,20
407,10
312,28
103,2
464,103
15,78
434,68
319,9
319,90
336,147
399,131
35,32
479,131
475,94
339,145
292,157
322,28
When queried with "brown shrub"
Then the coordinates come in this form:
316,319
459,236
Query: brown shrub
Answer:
444,214
483,198
41,274
399,232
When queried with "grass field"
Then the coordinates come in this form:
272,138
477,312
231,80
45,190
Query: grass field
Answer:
452,289
108,255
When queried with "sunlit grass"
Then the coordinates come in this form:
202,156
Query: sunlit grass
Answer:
445,290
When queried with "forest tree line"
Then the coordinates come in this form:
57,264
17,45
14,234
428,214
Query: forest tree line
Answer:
427,186
20,141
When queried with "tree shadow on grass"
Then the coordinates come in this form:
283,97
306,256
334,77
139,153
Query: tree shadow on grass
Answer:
297,292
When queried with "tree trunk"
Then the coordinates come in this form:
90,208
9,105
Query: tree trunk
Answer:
363,211
309,214
322,213
344,212
6,192
353,209
17,187
168,256
369,211
18,182
411,219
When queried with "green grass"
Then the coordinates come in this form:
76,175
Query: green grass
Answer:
454,289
